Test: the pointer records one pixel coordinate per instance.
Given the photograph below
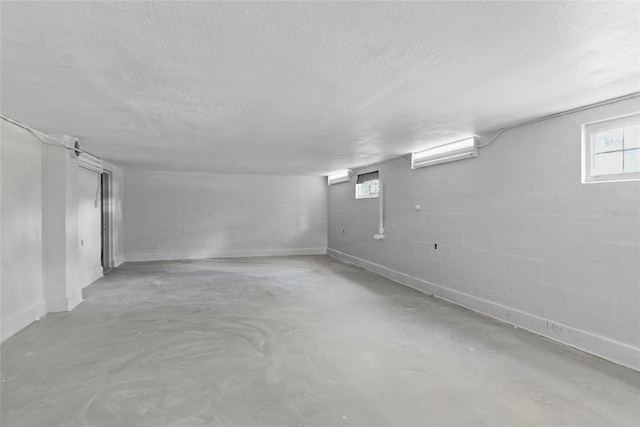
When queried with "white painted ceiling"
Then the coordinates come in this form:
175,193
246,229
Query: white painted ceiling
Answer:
303,88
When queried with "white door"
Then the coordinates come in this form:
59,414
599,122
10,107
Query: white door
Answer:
89,227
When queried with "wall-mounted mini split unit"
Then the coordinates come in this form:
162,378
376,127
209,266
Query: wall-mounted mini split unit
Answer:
339,177
86,160
90,162
450,152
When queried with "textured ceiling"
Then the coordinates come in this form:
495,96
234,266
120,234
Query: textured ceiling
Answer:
303,87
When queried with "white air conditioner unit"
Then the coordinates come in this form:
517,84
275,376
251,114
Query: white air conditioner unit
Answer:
90,162
339,177
450,152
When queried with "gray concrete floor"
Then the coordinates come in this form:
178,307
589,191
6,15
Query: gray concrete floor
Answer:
293,341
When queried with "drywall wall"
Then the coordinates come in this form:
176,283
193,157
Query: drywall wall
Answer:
62,288
45,205
518,236
89,227
22,283
172,215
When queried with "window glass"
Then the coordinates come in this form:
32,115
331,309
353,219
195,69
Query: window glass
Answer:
607,163
611,149
609,140
367,185
632,161
632,137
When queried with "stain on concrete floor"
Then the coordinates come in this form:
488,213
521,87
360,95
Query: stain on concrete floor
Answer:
293,341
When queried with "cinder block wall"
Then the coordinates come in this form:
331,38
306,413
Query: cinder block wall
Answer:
518,236
173,215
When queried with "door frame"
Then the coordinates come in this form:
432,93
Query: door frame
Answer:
106,220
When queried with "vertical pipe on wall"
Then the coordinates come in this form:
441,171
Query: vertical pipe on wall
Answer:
380,234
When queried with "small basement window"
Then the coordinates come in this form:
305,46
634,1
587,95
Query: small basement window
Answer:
367,185
611,150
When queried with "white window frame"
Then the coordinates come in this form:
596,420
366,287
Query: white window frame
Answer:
372,196
588,130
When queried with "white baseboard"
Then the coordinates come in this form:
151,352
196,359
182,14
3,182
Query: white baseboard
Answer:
119,260
64,304
74,300
57,305
18,321
614,351
168,256
95,275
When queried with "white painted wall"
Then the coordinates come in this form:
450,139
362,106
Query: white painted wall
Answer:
89,227
21,270
172,215
42,202
62,290
519,237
